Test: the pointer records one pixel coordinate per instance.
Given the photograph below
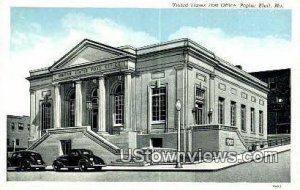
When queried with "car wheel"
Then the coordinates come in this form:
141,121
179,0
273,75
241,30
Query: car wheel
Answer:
56,166
25,165
82,165
8,164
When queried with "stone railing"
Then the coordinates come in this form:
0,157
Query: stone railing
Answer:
86,130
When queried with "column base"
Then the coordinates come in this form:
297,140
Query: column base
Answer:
103,133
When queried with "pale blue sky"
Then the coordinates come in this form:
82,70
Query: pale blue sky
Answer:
256,39
160,23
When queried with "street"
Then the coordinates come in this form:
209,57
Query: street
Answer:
247,172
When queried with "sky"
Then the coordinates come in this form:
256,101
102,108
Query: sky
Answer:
256,39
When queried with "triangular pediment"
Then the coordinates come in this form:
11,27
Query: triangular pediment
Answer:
87,51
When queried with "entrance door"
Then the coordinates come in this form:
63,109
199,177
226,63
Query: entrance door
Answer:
66,146
94,110
94,124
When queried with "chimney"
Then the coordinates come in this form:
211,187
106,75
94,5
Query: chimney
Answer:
239,66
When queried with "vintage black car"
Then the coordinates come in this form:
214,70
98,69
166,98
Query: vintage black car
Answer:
78,158
26,160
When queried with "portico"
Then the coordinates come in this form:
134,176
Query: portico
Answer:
94,96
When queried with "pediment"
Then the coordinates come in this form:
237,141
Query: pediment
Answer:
86,52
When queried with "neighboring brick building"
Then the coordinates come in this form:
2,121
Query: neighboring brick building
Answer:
17,132
105,98
279,99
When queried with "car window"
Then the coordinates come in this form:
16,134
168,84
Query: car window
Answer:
74,153
86,152
13,155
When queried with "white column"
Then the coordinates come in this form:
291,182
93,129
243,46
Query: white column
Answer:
33,132
78,103
57,107
213,116
127,103
101,106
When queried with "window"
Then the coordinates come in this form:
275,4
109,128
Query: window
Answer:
233,113
71,109
46,115
199,106
156,142
28,127
94,109
159,107
221,108
66,146
119,104
261,122
243,117
17,142
8,142
272,84
279,99
200,94
12,126
199,113
20,126
252,124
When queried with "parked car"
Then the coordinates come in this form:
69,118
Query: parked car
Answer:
78,158
26,160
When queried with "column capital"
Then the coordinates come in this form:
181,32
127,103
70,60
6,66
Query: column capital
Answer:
31,91
212,76
128,72
101,76
56,84
78,81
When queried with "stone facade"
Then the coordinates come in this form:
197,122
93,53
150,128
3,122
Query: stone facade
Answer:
126,96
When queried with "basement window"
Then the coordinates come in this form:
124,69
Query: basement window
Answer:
156,142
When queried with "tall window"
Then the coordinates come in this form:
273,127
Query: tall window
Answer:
199,106
119,104
159,107
94,109
252,124
12,126
243,117
221,109
261,122
71,109
21,126
46,115
232,113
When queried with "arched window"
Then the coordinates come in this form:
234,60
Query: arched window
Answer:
94,109
118,98
46,115
70,109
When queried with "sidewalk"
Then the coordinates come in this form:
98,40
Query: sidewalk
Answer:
203,166
212,166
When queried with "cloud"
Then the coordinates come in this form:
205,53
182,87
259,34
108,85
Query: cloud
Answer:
32,49
254,54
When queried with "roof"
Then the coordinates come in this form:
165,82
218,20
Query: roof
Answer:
130,51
